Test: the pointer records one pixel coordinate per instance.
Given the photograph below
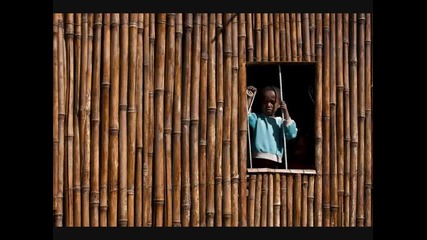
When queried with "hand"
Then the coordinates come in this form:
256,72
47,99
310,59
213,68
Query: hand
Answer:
252,89
284,108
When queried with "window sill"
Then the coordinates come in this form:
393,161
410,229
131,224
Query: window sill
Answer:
291,171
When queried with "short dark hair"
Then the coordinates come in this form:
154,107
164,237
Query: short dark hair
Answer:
272,88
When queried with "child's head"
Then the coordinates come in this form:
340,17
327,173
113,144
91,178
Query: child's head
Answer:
269,100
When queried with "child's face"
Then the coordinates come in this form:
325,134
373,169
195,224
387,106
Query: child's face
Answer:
269,103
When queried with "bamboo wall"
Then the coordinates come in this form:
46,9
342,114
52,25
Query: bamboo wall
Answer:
150,124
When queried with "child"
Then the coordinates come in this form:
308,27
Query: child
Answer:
267,129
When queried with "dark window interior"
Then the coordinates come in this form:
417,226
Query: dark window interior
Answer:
298,92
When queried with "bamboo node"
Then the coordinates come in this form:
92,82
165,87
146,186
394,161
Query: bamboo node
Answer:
123,107
202,142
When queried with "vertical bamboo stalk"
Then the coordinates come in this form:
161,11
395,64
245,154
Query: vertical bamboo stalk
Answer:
282,37
326,190
361,120
288,37
353,119
176,215
186,201
306,37
159,160
203,111
211,93
264,41
346,122
55,111
283,201
340,120
146,192
276,37
226,171
333,137
234,127
251,200
264,200
318,124
249,40
131,124
194,125
270,37
368,133
310,198
258,191
313,35
258,44
297,200
139,98
219,121
94,181
76,143
304,201
114,122
290,200
242,122
270,205
277,200
170,74
70,129
299,37
294,40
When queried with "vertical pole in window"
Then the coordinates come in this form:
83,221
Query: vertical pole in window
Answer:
283,117
252,98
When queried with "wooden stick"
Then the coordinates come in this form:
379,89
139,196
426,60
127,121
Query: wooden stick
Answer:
290,198
194,125
270,205
294,40
288,37
318,124
306,37
297,200
55,112
159,160
219,121
299,37
276,37
313,35
310,198
203,112
131,127
277,202
139,98
270,37
169,91
304,201
264,41
283,201
251,200
258,45
249,34
258,191
211,92
186,201
176,215
282,37
264,200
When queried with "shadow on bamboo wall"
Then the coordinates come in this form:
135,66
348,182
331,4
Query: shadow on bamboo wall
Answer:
150,124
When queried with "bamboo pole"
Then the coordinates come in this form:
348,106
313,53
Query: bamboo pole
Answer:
294,40
194,124
277,200
94,181
353,119
146,192
226,141
304,201
159,88
297,200
288,37
340,120
258,45
55,112
270,37
139,98
310,199
313,35
264,200
186,201
203,112
283,201
235,209
211,93
70,123
176,215
299,37
251,200
333,125
242,122
114,122
361,120
368,133
258,191
326,190
264,40
276,37
270,209
76,143
249,40
170,74
346,122
282,37
131,117
318,124
306,37
219,121
290,200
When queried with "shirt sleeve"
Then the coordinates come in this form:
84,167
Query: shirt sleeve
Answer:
252,120
290,129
